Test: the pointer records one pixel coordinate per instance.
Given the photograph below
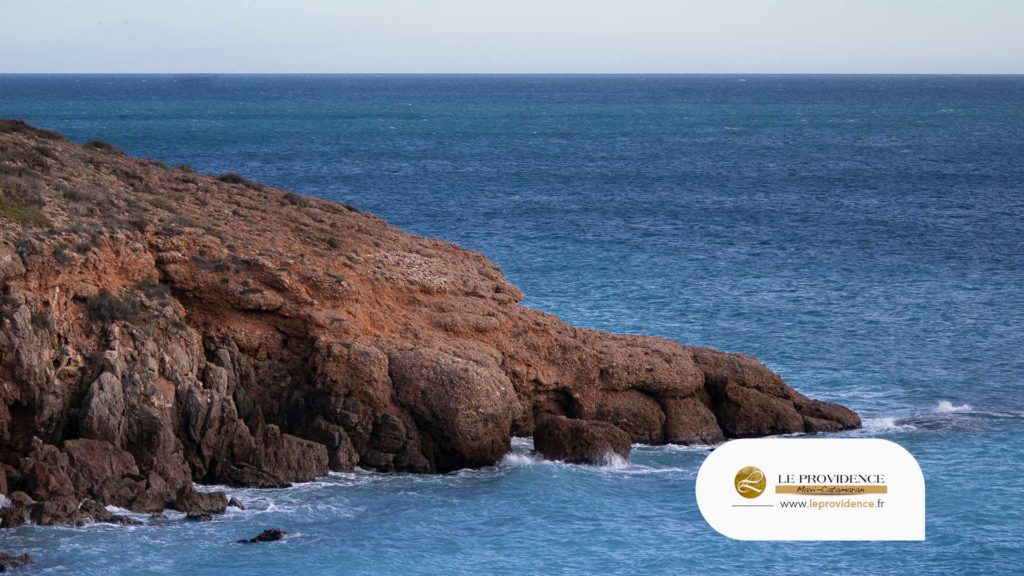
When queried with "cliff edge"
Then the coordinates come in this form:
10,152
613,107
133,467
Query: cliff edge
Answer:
161,327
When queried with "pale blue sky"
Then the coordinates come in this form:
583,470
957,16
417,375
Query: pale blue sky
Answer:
585,36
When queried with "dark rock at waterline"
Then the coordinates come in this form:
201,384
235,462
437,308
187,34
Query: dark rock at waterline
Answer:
199,516
234,503
197,503
690,421
10,563
99,513
270,535
13,516
580,441
56,510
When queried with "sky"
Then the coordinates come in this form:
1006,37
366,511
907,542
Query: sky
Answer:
513,36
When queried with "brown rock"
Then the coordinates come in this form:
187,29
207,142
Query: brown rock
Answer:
690,421
291,458
342,455
465,409
632,411
96,464
745,412
44,473
191,501
154,322
55,510
21,499
13,516
580,441
10,563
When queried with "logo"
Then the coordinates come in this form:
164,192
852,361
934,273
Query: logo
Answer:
819,489
750,482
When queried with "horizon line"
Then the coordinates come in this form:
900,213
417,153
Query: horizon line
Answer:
122,73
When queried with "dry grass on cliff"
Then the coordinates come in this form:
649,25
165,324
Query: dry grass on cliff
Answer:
20,198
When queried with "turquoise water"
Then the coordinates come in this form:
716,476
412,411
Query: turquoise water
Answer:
860,235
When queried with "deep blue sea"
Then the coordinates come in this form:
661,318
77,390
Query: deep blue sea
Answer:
861,235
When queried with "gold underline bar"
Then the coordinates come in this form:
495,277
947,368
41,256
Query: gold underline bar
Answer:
833,489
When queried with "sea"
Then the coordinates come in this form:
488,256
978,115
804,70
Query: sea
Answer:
863,236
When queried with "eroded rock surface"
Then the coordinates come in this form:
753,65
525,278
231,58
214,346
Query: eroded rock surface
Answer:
160,328
580,441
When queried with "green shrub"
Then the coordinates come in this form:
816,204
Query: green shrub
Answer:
234,178
105,307
23,215
100,145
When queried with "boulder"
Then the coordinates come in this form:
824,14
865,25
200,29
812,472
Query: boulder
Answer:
13,516
690,421
55,510
191,501
95,463
269,535
746,412
580,441
291,458
9,563
98,513
464,408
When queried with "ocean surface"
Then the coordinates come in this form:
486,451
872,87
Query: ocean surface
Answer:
861,235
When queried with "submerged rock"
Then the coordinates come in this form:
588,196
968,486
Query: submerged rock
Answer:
580,441
10,563
269,535
161,327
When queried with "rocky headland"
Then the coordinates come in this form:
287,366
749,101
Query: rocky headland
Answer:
162,328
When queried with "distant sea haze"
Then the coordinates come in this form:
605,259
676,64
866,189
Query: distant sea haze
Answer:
861,235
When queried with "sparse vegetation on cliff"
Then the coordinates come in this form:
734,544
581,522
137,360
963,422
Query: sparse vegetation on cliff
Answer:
162,327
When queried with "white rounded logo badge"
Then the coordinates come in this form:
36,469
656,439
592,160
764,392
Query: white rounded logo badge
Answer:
813,489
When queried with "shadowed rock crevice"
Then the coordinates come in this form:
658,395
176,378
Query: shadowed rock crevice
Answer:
160,328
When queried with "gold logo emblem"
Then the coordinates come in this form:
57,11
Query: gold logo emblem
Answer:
750,482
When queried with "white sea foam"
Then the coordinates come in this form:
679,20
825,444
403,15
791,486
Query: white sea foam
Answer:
947,407
612,461
886,424
674,448
518,459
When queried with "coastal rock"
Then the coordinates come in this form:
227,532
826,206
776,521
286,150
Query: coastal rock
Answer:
690,421
269,535
9,563
13,516
580,441
154,334
98,513
96,463
55,510
194,502
464,408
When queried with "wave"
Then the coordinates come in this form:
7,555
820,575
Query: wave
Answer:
675,448
886,424
610,464
945,406
943,416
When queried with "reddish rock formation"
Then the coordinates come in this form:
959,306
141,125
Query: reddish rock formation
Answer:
161,327
580,441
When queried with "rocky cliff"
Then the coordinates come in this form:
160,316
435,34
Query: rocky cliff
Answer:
161,327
